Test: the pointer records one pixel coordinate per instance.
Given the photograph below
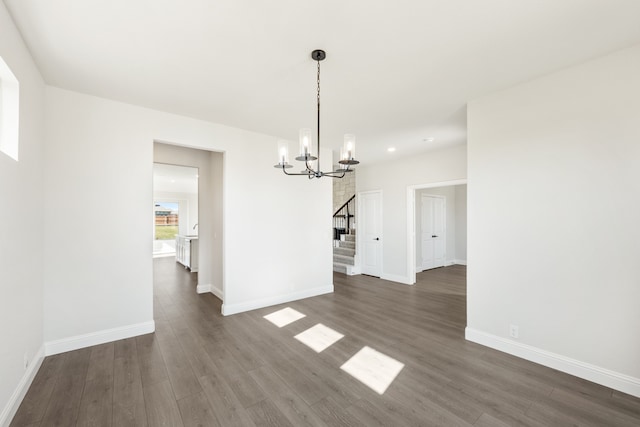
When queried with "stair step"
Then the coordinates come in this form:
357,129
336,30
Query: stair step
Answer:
344,251
339,268
343,259
349,270
349,237
343,244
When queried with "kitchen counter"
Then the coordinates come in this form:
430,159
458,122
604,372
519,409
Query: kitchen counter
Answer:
187,251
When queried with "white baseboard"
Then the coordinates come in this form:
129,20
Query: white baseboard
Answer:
203,289
596,374
395,278
10,409
353,270
15,400
228,309
217,292
99,337
460,261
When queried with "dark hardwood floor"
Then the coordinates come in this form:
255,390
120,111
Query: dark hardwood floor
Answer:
202,369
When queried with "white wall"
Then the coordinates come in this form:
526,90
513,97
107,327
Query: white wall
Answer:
393,178
217,226
21,219
461,224
554,203
100,277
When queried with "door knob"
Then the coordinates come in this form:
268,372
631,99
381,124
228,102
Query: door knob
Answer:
377,238
433,235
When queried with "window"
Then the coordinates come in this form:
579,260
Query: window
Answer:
9,111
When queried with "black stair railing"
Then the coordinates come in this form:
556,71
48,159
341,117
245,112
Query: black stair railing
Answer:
342,219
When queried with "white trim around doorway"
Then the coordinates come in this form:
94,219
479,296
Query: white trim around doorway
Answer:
411,222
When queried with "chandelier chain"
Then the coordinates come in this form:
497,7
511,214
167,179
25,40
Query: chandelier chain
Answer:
318,118
318,79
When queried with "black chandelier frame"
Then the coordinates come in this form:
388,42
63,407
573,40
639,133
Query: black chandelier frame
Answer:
318,55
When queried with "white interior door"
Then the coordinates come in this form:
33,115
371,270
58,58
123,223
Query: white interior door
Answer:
370,231
432,236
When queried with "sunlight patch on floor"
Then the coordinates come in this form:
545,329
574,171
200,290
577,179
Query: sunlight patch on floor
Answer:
373,369
319,337
284,317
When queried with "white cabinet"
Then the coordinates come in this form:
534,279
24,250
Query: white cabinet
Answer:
180,250
187,252
193,254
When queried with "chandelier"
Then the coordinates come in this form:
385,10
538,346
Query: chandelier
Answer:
308,155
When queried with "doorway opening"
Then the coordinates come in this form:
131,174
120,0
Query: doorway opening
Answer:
175,206
436,226
188,211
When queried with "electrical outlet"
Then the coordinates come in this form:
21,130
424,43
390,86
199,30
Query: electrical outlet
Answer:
25,361
513,331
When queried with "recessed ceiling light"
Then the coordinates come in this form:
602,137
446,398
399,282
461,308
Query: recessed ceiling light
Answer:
391,149
173,180
429,139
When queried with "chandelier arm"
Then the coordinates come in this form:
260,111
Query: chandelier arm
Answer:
287,173
337,171
306,163
331,174
342,172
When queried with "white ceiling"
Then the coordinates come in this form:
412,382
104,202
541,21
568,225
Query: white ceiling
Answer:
175,179
396,72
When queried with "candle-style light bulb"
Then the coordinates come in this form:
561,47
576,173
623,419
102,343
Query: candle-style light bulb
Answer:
283,152
349,146
305,142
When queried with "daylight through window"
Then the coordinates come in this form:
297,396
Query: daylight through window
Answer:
9,111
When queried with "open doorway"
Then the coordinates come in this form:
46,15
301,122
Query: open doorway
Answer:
199,240
436,226
175,206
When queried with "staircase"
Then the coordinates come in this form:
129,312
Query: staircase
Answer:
344,238
344,254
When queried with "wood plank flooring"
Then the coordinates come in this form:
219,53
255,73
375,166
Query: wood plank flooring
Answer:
202,369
